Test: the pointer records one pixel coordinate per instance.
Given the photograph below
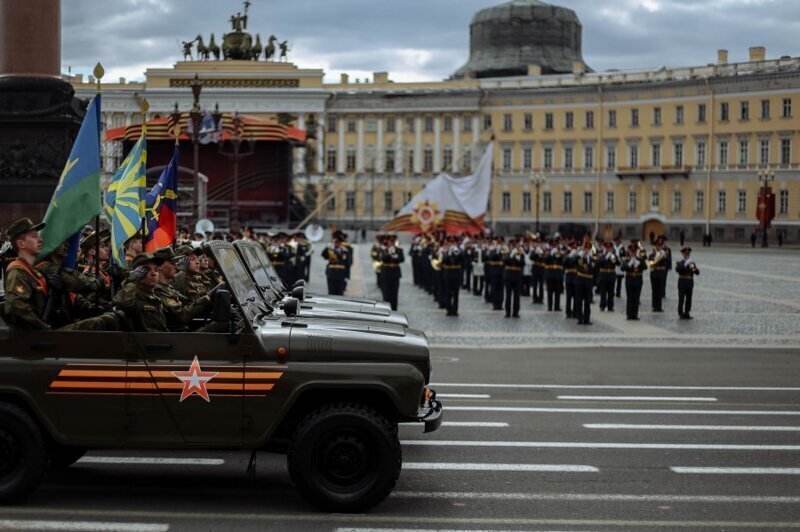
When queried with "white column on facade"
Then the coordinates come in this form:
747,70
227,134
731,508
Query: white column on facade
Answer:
341,155
321,126
437,144
476,137
456,144
379,150
418,145
360,146
300,153
128,119
399,156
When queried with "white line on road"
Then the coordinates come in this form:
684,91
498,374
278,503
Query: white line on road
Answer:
601,445
633,398
150,461
80,526
544,410
464,395
596,497
619,387
477,424
457,466
737,470
737,428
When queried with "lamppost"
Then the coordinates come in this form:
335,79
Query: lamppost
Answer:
196,116
372,194
765,203
236,155
537,180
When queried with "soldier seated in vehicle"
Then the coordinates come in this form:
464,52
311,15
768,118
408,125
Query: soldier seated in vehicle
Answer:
138,298
188,281
101,299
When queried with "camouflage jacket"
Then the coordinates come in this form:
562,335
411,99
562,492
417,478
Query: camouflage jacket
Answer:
144,309
191,288
178,310
26,296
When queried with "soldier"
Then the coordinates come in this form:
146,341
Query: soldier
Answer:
375,254
452,262
634,265
658,270
668,255
584,282
619,251
494,275
103,297
686,270
61,281
478,267
607,276
303,250
337,257
554,275
570,274
212,273
467,250
391,257
513,264
281,256
537,270
188,282
138,298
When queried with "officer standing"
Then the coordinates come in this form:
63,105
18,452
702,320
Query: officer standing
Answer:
686,270
391,256
584,282
494,274
607,264
658,271
633,265
554,275
452,260
537,270
337,257
570,275
137,297
513,264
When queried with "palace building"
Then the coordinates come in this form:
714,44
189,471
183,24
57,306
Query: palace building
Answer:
638,151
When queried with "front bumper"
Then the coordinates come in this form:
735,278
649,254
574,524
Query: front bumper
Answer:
431,413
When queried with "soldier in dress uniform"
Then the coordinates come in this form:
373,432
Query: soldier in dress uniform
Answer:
513,263
494,272
349,249
537,270
668,254
337,257
585,265
554,274
138,299
391,256
375,254
658,271
281,256
607,276
478,267
188,281
686,270
468,250
570,275
620,252
634,265
302,249
452,261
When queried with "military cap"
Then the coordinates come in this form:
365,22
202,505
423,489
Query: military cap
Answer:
89,241
687,249
22,226
186,250
134,236
145,258
167,254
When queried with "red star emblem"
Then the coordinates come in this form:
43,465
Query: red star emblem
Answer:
195,380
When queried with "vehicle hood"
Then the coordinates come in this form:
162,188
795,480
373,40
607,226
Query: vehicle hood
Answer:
348,301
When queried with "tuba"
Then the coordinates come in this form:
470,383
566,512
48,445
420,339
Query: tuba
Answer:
436,263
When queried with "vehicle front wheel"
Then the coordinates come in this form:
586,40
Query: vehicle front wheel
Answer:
345,457
23,454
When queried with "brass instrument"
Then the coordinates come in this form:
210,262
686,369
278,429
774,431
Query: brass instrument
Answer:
436,263
377,265
657,256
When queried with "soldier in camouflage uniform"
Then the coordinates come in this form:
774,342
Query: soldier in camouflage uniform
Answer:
188,281
61,283
104,296
137,297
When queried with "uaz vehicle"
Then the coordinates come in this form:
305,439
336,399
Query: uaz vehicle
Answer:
329,394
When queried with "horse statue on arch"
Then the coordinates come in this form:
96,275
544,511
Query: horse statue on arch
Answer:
213,48
269,50
255,51
202,49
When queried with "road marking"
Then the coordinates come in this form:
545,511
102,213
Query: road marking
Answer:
633,398
458,466
620,387
753,274
464,395
742,428
477,424
150,461
80,526
737,470
533,409
597,497
601,445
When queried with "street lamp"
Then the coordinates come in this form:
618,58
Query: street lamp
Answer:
765,177
196,116
537,180
236,156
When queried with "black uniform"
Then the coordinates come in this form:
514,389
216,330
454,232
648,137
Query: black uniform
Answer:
584,282
658,274
335,271
634,267
570,275
537,276
512,279
686,270
494,276
452,261
391,258
607,276
554,278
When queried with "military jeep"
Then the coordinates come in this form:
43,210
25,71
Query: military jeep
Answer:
327,393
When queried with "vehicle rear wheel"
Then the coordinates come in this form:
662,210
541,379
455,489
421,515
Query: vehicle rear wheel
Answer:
63,456
345,457
23,454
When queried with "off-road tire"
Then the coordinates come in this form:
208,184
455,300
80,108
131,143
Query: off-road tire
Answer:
63,456
345,457
24,459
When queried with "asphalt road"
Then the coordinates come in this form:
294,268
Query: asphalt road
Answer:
534,439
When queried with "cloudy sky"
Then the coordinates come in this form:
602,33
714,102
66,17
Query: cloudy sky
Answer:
418,40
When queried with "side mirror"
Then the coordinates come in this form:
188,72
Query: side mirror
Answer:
221,307
299,282
291,307
299,292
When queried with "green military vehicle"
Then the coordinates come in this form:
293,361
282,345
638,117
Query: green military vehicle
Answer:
327,393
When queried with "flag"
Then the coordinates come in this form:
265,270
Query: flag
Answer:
129,198
452,204
76,199
162,207
111,193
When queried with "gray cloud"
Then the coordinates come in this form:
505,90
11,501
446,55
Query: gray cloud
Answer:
419,39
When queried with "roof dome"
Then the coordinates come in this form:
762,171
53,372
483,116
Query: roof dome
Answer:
506,39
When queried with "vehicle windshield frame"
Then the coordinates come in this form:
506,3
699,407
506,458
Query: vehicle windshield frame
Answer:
237,277
253,256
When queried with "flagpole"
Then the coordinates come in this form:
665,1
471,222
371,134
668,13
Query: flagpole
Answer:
98,72
145,106
491,188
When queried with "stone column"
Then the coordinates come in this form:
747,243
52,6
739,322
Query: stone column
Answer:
341,156
418,144
380,166
437,144
300,153
30,38
476,138
360,146
456,144
399,156
322,126
129,119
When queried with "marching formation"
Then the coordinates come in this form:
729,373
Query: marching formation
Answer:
503,271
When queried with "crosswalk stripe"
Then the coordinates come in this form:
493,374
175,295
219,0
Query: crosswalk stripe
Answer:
737,470
459,466
632,398
477,424
463,395
618,387
548,410
601,445
80,526
742,428
596,497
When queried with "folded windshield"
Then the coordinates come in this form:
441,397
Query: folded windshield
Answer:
238,279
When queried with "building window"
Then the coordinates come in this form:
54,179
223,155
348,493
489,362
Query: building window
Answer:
526,202
722,201
412,167
587,202
331,159
679,114
506,159
351,126
466,160
744,113
528,121
699,201
632,201
547,201
506,201
466,124
427,159
350,201
678,155
448,124
548,121
331,124
588,157
612,119
569,120
351,159
763,157
448,157
657,116
487,122
428,124
610,201
589,119
786,151
372,125
568,158
410,124
390,125
390,160
656,155
783,203
368,201
548,158
742,203
738,233
634,117
527,158
655,199
723,153
724,112
407,195
744,149
568,201
676,202
388,204
331,203
787,108
611,157
633,157
764,109
701,113
701,154
508,122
